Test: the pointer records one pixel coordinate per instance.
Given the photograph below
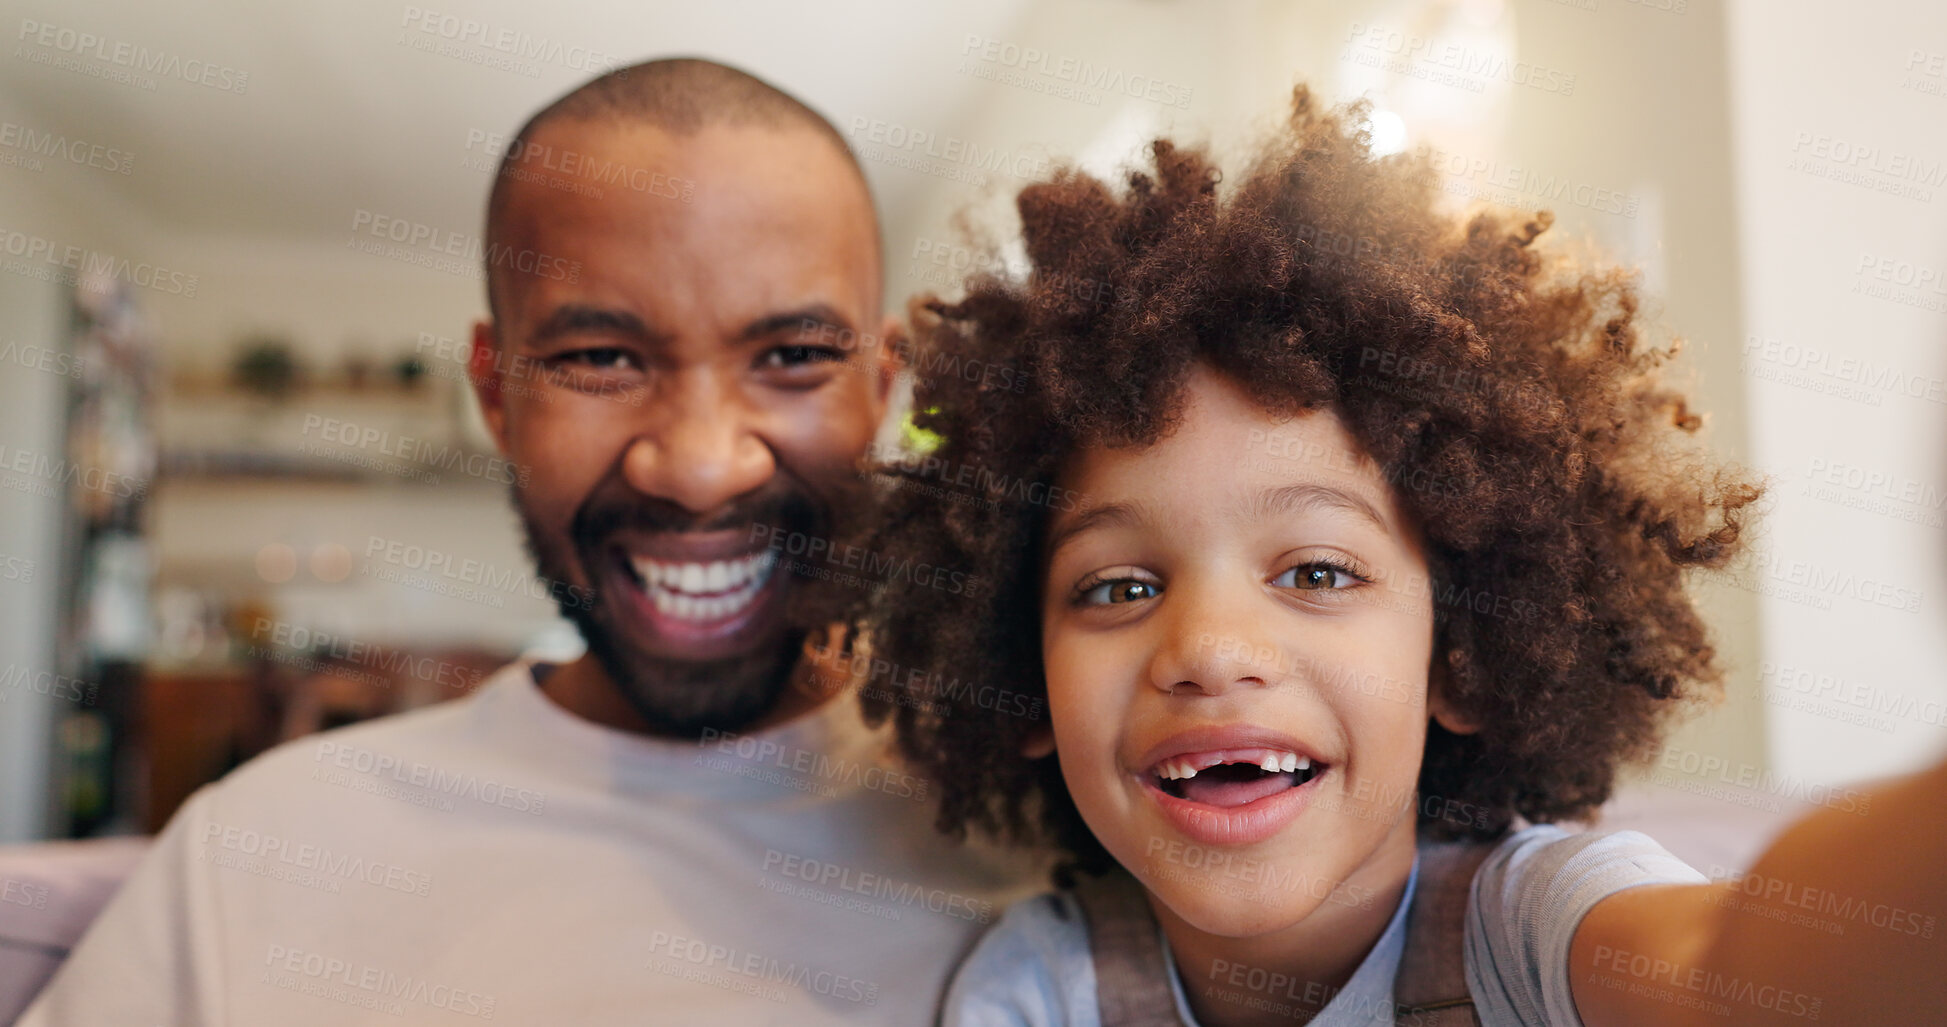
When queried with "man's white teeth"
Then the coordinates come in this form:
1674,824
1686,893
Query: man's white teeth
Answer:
1172,770
703,578
704,591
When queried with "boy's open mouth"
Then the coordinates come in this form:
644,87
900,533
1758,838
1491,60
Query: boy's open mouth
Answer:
1232,777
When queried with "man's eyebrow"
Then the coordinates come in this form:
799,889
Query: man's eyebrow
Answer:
1105,515
575,317
811,316
1310,495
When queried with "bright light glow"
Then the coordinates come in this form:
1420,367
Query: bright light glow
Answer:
1388,133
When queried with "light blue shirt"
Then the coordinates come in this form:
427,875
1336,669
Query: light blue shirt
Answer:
1033,969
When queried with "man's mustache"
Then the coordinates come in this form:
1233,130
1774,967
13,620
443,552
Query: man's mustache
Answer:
605,514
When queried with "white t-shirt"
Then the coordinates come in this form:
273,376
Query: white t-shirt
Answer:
1528,897
498,858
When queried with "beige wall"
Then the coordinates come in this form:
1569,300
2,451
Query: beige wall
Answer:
1842,206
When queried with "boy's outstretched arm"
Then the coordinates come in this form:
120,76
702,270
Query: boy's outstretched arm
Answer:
1838,923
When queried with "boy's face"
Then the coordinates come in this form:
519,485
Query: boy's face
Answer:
1244,593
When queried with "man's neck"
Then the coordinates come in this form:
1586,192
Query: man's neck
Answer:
584,689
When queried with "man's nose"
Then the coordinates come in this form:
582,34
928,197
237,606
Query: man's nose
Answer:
702,449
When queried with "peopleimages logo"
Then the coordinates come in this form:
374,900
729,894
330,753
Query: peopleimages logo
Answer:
75,43
69,264
1077,74
1449,63
434,779
422,453
434,26
78,152
416,242
59,470
465,577
956,153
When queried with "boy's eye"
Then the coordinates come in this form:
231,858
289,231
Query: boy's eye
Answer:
1312,577
1121,590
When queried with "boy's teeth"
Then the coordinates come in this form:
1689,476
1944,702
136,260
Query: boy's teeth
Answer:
1271,761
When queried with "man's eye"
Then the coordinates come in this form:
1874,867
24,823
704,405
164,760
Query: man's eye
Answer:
601,358
799,356
1314,577
1122,590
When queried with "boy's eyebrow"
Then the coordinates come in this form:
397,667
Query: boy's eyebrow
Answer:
1105,515
1307,495
1282,499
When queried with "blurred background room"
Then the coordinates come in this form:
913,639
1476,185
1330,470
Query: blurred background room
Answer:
245,493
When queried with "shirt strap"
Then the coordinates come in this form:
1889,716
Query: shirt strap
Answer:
1132,974
1430,989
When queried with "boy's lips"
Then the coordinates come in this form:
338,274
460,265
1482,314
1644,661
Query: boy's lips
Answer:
1229,785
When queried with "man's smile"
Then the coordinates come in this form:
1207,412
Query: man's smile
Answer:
700,591
694,595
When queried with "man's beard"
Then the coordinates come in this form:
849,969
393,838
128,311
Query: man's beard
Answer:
679,697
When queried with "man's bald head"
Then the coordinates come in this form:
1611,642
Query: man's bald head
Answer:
681,96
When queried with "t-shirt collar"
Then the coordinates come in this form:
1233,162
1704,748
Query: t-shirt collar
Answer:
821,752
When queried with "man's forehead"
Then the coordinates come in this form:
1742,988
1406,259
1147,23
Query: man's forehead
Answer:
611,152
786,195
638,175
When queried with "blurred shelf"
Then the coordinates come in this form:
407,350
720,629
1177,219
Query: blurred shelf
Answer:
268,467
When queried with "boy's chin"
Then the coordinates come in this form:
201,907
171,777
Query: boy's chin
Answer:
1228,908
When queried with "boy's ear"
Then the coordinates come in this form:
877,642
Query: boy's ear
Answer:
1041,742
1440,703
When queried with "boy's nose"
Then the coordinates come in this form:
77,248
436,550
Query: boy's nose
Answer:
1209,651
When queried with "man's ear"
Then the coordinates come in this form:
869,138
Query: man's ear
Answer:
829,664
894,345
1440,702
483,370
1041,742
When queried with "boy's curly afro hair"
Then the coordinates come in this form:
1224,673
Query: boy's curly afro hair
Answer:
1508,394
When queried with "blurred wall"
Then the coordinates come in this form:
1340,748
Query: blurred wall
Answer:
64,210
1838,121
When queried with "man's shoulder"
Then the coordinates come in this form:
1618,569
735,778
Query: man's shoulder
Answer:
447,735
